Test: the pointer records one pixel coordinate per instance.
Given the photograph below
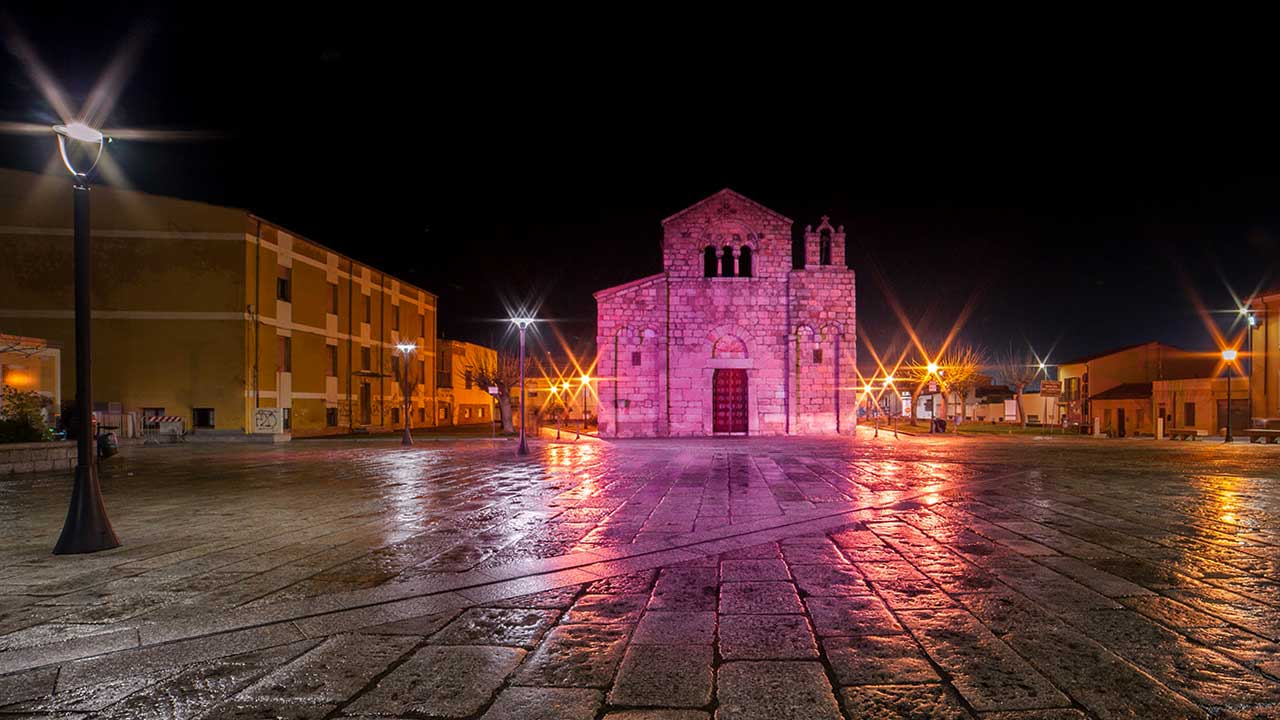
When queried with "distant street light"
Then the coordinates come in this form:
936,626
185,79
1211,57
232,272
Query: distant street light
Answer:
523,324
932,368
1252,321
1229,355
406,350
87,528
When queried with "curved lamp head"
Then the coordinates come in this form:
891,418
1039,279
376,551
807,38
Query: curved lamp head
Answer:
77,140
1229,355
522,322
585,379
406,348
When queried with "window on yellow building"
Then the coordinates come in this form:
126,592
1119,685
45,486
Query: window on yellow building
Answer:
1189,414
331,417
395,317
422,414
284,280
368,308
395,416
395,367
422,325
332,370
286,353
466,378
365,358
202,417
333,299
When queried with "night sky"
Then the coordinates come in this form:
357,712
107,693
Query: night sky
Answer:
1074,203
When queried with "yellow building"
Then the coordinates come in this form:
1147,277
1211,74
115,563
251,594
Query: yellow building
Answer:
214,314
460,399
1264,363
1101,376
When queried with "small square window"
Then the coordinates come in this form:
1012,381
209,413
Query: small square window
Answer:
331,417
635,358
202,417
817,356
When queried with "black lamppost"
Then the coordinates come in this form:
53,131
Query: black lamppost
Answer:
1228,355
406,352
523,324
87,528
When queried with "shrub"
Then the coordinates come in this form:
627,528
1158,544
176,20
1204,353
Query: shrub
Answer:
22,416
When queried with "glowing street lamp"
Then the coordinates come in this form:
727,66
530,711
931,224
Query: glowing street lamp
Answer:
406,351
586,390
523,324
1229,356
932,368
87,528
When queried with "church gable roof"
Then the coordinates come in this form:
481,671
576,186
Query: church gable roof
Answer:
632,285
727,195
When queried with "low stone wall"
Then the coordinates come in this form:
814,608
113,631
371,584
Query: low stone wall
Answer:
36,457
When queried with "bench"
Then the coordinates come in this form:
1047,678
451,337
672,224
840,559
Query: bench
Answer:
1261,435
1184,433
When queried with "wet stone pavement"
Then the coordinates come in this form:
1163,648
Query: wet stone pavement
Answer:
1000,578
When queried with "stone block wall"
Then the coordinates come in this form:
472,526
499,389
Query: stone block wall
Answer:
36,457
824,382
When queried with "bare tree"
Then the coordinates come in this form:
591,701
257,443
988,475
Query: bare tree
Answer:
502,372
960,369
1018,369
914,376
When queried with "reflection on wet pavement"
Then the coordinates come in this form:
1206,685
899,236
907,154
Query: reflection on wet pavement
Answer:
770,578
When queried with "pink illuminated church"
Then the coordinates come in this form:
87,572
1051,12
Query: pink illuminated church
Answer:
730,338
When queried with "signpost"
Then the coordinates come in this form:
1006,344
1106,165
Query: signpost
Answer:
1048,389
494,412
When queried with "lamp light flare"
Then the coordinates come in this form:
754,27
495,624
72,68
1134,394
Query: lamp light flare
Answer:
79,131
932,368
406,348
1229,355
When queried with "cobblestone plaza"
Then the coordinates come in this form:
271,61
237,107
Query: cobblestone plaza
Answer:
643,579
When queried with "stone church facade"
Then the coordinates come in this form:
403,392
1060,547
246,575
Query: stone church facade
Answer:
730,338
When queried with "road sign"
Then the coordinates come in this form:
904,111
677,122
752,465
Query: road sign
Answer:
493,389
1050,388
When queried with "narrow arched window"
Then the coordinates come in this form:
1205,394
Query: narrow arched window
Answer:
726,262
824,248
744,261
709,262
